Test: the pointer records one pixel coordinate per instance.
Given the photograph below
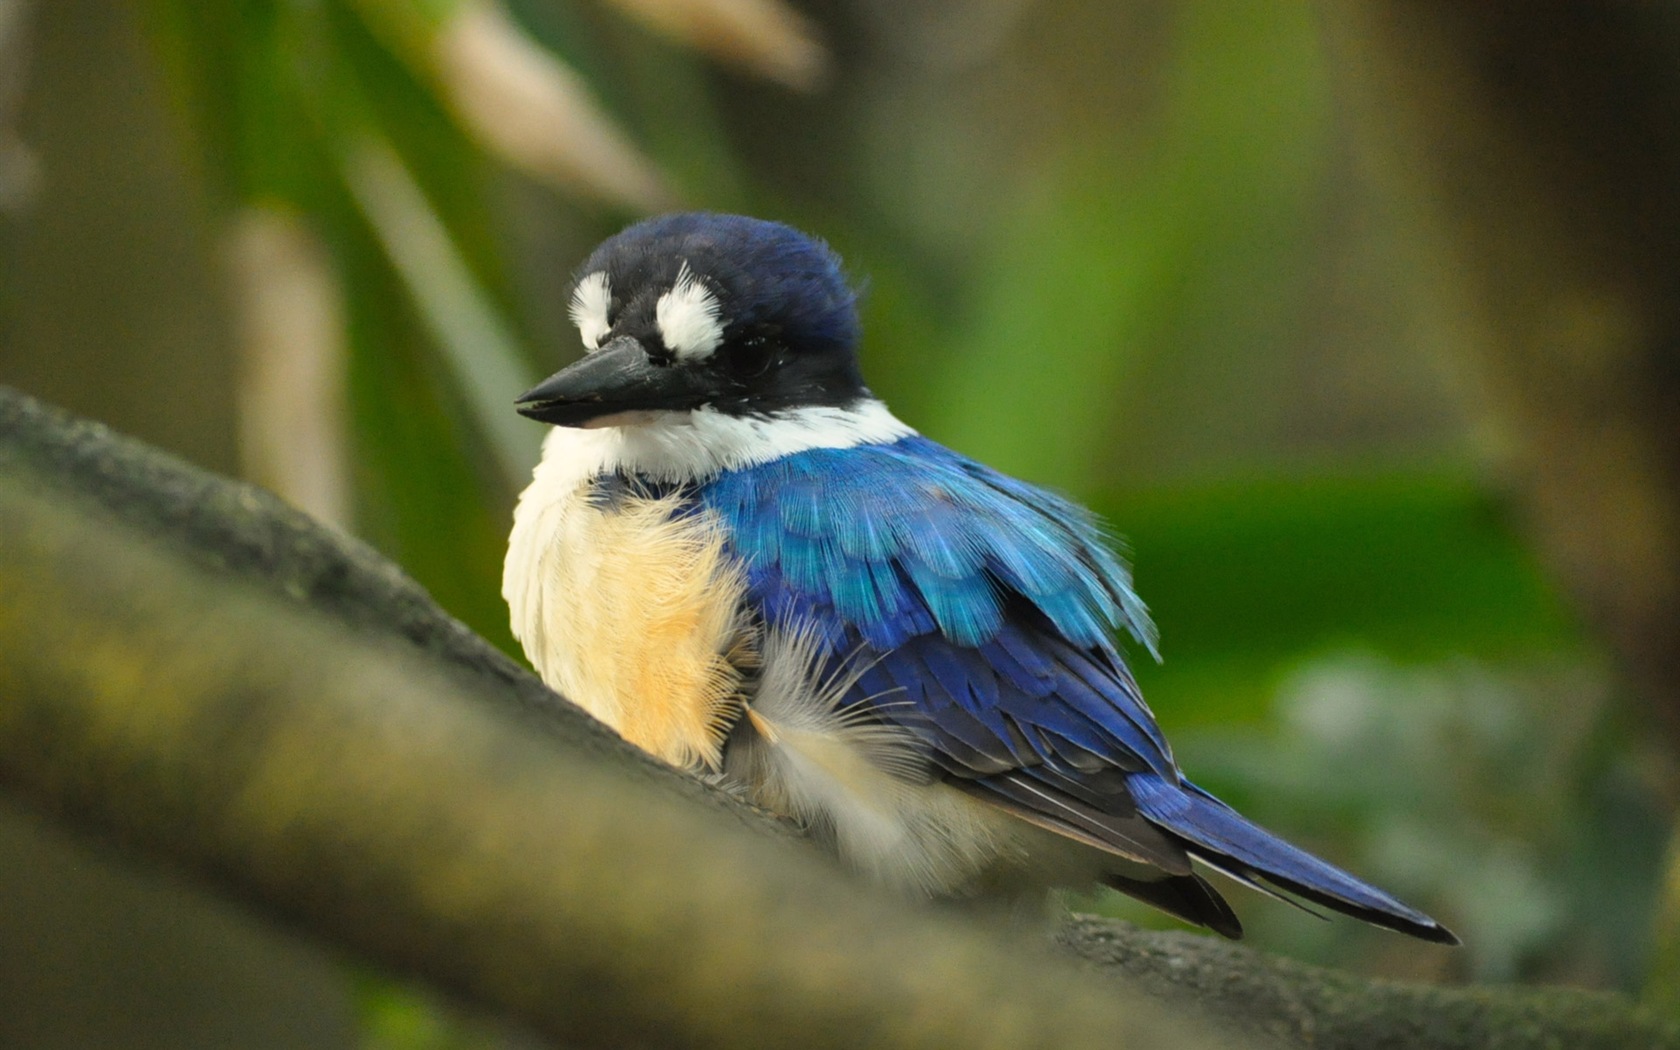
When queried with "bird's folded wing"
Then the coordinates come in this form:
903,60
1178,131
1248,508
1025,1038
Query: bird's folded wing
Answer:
981,615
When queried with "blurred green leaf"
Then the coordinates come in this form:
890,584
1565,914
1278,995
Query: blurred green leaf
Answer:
483,359
1246,577
1119,253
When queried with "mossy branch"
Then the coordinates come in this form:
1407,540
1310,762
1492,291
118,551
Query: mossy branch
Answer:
190,668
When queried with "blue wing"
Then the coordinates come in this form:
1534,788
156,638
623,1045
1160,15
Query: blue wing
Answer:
985,611
992,604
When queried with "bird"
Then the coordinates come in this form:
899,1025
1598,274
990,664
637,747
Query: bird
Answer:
734,555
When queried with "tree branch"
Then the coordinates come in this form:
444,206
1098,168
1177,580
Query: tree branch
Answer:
339,775
195,670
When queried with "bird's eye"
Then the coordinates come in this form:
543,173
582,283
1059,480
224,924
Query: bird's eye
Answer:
753,357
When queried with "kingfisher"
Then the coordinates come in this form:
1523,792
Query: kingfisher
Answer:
735,556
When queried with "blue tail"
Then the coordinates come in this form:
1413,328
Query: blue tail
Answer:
1223,838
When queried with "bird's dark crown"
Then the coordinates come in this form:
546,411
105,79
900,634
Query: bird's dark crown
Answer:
740,315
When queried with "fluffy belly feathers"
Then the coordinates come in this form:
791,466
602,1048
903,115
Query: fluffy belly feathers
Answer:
634,613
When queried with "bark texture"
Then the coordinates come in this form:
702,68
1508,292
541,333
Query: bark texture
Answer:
196,671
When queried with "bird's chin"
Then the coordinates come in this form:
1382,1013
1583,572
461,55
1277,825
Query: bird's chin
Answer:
636,418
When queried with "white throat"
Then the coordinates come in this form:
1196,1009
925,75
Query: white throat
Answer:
692,446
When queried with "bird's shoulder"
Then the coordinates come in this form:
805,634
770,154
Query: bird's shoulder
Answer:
905,538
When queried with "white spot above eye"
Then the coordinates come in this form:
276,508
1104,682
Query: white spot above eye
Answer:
590,303
688,318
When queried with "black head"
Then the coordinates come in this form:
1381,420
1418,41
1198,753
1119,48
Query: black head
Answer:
695,310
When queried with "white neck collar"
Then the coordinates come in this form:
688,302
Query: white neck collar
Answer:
691,446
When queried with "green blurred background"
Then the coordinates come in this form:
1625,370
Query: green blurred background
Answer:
1128,249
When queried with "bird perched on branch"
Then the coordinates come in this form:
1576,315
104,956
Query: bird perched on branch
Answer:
739,559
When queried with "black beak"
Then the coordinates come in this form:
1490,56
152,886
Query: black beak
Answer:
619,378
